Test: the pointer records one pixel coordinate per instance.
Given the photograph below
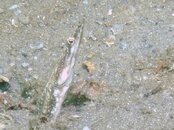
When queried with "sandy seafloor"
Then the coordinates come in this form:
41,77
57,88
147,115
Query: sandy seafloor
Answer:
137,63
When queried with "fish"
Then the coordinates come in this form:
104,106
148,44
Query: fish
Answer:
54,95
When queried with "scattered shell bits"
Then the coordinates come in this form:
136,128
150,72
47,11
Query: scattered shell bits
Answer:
90,67
110,12
3,79
110,40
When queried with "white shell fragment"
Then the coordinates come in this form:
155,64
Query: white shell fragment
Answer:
3,79
110,12
24,65
110,40
14,22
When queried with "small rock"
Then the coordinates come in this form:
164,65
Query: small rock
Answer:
90,67
24,19
25,64
1,10
3,79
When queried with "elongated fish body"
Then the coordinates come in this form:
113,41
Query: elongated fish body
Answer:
53,96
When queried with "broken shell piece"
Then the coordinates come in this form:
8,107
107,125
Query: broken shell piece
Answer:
110,12
110,40
90,67
3,79
14,22
75,116
70,40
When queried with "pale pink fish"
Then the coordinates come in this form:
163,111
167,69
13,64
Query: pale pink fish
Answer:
65,76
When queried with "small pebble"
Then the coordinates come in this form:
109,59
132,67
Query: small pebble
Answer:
25,64
3,79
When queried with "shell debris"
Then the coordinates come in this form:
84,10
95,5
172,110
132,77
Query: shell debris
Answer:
89,66
3,79
110,40
110,12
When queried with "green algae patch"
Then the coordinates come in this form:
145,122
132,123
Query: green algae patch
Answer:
76,100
